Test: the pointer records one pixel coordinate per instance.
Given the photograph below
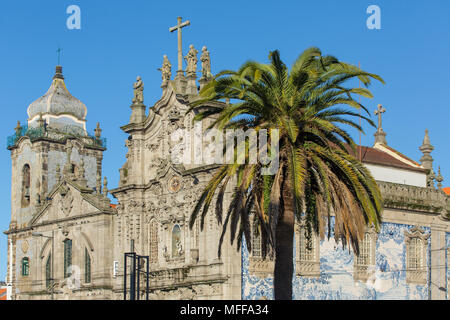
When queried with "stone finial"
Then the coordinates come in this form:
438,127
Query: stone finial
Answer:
426,148
18,128
98,184
98,131
430,179
380,135
105,187
439,179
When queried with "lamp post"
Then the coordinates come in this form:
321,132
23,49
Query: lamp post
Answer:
37,234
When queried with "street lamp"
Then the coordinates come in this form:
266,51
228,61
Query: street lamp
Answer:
37,234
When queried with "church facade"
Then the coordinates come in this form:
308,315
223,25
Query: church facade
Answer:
67,241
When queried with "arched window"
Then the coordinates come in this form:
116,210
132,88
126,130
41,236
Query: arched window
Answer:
48,271
153,241
177,249
256,244
365,251
74,169
26,181
306,250
25,266
67,257
87,266
415,253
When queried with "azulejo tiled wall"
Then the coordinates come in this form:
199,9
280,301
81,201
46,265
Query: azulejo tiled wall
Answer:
447,262
336,281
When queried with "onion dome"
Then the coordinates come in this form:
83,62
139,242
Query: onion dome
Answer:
58,106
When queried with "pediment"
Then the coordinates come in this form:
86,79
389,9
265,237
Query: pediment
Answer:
67,201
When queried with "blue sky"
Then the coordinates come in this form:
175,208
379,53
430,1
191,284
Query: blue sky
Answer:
119,40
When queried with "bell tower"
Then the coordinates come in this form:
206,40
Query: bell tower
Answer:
54,141
51,144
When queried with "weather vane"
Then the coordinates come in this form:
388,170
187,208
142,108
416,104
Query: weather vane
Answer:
59,55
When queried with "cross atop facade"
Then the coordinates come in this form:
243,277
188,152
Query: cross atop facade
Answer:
59,55
380,110
180,52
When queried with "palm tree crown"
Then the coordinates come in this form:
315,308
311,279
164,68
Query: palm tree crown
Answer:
317,176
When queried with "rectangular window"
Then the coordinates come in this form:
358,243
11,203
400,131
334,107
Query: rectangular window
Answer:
256,249
25,267
364,251
415,254
67,258
306,250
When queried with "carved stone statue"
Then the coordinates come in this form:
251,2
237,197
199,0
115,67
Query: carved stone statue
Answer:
179,247
138,91
206,63
191,59
166,69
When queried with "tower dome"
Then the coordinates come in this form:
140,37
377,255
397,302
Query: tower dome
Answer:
58,107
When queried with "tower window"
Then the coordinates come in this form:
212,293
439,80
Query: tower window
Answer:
25,266
67,258
26,179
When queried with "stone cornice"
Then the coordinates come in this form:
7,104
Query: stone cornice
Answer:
426,200
32,227
153,181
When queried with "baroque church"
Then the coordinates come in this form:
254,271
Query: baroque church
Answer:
66,240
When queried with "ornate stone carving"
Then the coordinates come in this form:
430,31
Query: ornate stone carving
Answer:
166,70
174,184
307,258
138,91
364,265
416,255
206,63
191,59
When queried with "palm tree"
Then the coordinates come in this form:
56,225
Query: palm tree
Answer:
317,176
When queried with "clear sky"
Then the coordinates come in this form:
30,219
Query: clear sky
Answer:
119,40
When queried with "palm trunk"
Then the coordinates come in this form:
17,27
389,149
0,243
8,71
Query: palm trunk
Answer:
284,260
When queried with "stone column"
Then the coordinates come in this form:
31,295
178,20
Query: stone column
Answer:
437,263
137,113
191,88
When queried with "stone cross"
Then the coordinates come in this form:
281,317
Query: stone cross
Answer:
180,52
380,110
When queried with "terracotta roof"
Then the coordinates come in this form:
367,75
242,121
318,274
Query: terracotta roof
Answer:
446,190
375,156
3,294
112,205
